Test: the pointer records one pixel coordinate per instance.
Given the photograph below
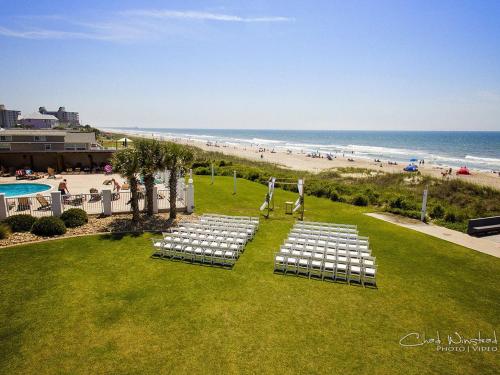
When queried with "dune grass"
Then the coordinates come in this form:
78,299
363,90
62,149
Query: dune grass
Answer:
100,304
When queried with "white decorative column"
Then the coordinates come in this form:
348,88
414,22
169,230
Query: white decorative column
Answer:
189,198
3,207
57,206
106,202
155,199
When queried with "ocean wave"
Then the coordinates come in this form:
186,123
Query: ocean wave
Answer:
382,150
478,159
263,140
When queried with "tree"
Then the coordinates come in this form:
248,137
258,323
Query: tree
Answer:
151,159
126,163
177,157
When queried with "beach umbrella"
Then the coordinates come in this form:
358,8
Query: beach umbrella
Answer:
413,159
125,140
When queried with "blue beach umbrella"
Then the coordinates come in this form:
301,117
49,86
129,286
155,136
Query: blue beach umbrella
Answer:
413,159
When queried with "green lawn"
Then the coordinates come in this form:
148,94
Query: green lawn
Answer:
101,305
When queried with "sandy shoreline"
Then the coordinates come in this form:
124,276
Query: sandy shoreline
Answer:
300,161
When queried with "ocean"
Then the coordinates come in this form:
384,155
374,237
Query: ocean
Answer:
477,150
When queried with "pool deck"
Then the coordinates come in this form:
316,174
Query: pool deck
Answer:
77,183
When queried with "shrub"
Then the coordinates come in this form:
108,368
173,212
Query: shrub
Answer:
334,196
205,171
401,203
48,226
74,217
437,212
360,200
224,163
197,164
4,231
413,214
20,223
451,216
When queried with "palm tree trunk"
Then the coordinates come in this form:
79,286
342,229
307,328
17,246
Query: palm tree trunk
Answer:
172,182
134,199
149,182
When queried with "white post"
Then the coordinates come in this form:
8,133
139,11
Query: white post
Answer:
212,174
234,184
424,204
191,174
106,202
57,206
3,207
155,199
190,197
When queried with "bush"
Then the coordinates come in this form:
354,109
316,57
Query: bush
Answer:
74,217
20,223
48,226
198,164
334,196
204,171
413,214
4,231
451,217
360,200
401,203
437,212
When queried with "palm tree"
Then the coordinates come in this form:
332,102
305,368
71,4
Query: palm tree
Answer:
151,159
177,157
126,163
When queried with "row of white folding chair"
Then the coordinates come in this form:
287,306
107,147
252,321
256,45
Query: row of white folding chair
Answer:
243,224
228,224
343,250
353,256
331,255
336,270
217,228
324,235
195,253
311,240
208,233
228,237
248,218
222,244
304,224
325,231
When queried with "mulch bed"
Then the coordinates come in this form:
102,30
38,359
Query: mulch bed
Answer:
120,223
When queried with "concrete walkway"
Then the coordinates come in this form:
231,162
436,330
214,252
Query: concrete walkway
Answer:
489,245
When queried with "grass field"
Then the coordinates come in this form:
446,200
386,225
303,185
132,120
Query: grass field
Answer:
101,305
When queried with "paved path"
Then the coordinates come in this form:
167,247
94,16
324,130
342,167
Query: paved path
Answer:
488,245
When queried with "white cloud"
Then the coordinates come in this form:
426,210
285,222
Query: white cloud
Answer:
125,26
196,15
45,34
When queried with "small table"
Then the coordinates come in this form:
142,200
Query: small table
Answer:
288,208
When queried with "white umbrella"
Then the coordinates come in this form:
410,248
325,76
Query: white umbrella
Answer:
125,140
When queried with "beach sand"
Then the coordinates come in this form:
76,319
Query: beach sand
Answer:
300,161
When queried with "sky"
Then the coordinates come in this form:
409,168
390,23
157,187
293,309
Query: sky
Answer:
283,64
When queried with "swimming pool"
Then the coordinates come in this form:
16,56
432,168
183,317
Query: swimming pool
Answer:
14,190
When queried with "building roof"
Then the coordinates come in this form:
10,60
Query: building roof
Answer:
34,132
80,137
69,137
39,116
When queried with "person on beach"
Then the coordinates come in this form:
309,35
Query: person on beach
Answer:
63,187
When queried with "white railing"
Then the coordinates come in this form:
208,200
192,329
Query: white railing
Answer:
40,205
93,203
